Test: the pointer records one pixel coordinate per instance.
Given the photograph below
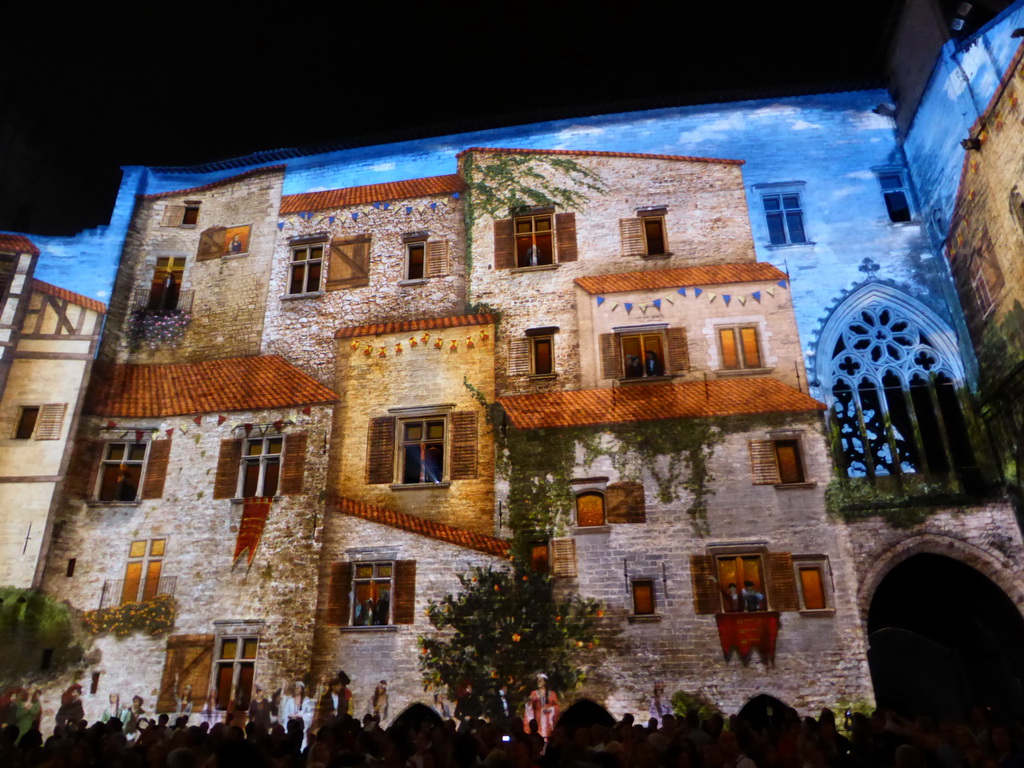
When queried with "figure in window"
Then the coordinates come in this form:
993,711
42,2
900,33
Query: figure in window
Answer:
752,599
732,600
235,246
652,364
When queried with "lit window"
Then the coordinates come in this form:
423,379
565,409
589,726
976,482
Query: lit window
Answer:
234,671
739,347
590,509
165,289
643,354
184,215
643,598
121,471
142,575
741,583
422,450
540,559
534,242
371,594
896,195
785,218
306,264
776,462
261,466
415,260
812,580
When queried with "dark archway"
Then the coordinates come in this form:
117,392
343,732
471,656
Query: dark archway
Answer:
763,711
943,638
585,713
415,715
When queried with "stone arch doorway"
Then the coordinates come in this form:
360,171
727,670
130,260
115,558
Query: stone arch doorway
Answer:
764,710
415,716
942,638
585,713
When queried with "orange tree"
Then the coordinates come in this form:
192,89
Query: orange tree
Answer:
504,628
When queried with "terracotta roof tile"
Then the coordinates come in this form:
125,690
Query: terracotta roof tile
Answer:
429,528
591,153
721,274
74,298
406,326
372,193
236,384
214,184
17,244
651,402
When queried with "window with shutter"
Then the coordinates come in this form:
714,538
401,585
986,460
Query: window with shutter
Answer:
83,469
373,593
156,469
647,352
380,450
563,558
590,509
225,484
349,263
293,469
187,668
705,588
121,471
782,577
565,236
211,244
464,445
776,462
437,258
645,234
813,582
51,420
339,596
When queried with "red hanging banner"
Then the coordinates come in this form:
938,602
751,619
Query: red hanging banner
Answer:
746,631
250,530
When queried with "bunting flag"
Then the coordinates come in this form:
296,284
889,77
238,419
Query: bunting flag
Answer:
169,432
307,410
713,297
138,434
726,298
198,420
756,296
355,215
330,219
600,300
250,529
111,424
221,418
697,293
682,292
628,306
280,225
781,283
657,303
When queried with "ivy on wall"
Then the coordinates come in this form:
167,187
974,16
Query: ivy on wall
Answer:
34,626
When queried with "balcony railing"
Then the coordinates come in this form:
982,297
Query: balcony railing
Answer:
119,591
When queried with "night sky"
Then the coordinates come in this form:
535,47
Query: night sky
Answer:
179,85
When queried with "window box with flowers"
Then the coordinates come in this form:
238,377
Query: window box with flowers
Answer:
154,617
157,327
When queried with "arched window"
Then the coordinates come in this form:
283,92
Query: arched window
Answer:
590,509
893,378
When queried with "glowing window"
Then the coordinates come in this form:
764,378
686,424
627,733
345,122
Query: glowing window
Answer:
739,347
371,594
590,509
534,241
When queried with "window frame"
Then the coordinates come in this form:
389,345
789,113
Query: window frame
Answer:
590,493
533,217
157,300
372,579
425,419
901,188
635,612
305,266
778,191
819,564
262,459
740,554
19,422
145,589
654,214
535,342
106,461
236,663
189,207
743,364
641,334
415,243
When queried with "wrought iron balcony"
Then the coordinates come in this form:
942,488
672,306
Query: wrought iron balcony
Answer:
120,591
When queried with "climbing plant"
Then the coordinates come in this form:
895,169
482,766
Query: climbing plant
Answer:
37,635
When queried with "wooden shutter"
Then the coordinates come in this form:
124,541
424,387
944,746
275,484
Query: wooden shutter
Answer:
437,258
678,352
228,463
464,445
782,595
403,598
632,233
349,263
293,467
211,244
51,421
380,450
706,598
611,356
173,216
156,469
763,467
189,661
504,244
563,558
80,482
625,503
565,236
339,597
518,357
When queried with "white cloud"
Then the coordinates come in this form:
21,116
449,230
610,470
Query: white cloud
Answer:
574,134
867,120
864,175
803,125
773,110
844,192
102,294
381,167
716,129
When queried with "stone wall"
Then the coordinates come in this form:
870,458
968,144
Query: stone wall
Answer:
278,587
301,327
225,297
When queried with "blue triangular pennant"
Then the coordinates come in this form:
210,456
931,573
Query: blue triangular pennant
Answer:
600,300
280,225
681,291
726,298
782,283
697,291
757,296
408,209
377,206
628,306
455,195
330,219
386,206
657,303
433,206
355,215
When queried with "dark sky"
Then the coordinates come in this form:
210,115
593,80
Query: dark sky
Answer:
166,84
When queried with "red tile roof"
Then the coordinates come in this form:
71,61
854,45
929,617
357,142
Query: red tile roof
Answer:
590,153
372,193
236,384
429,528
722,274
651,402
406,326
17,244
74,298
214,184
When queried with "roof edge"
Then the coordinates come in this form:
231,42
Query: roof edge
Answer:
596,153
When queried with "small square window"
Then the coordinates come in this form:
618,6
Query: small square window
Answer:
190,217
534,241
305,269
896,196
26,426
739,347
643,598
812,582
590,509
643,355
785,218
741,580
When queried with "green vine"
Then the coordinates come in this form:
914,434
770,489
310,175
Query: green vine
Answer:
853,499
